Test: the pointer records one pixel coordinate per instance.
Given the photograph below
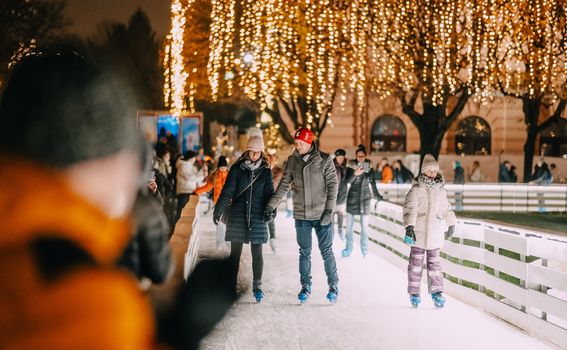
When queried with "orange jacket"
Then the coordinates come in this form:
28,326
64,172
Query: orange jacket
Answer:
387,175
215,182
87,304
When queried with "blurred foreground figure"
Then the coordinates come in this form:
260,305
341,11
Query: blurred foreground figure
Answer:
70,168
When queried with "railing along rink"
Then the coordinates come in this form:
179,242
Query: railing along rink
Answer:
519,275
492,197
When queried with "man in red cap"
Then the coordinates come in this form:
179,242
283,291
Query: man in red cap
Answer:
315,187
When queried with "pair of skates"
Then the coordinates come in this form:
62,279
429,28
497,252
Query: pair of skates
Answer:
438,300
305,293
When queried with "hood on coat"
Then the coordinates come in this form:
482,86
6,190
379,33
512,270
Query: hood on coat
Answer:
39,202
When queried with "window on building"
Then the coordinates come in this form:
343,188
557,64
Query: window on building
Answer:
472,137
553,140
388,134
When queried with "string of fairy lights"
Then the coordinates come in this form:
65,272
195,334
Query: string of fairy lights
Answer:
274,50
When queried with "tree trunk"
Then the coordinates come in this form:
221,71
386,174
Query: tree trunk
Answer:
530,107
432,130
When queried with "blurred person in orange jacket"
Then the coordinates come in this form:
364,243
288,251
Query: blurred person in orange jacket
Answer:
69,155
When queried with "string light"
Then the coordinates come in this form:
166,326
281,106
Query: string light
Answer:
311,51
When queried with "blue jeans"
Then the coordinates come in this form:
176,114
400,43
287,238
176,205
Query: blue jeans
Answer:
325,238
363,233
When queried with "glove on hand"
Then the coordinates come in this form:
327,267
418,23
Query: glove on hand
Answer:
269,214
450,231
326,217
410,235
216,220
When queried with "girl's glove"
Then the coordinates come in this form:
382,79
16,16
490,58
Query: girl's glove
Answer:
409,239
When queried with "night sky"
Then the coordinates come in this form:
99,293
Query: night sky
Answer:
86,14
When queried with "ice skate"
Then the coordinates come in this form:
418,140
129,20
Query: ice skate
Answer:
346,252
332,295
438,299
415,299
258,295
304,294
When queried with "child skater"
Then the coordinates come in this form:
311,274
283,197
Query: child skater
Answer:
426,214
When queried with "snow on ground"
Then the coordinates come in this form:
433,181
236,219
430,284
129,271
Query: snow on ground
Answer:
373,310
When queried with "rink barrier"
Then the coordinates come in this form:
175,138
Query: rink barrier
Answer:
518,275
493,197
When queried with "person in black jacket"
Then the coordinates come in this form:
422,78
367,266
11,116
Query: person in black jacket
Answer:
402,175
147,254
504,172
340,209
246,192
360,176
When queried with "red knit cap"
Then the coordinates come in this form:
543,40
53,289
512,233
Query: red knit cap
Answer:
305,135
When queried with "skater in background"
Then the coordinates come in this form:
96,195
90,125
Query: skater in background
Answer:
245,194
215,182
277,174
476,174
386,172
188,177
360,177
426,213
458,179
340,209
402,175
313,176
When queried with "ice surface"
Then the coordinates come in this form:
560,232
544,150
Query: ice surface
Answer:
373,310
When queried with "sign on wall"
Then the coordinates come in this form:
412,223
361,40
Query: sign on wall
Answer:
182,133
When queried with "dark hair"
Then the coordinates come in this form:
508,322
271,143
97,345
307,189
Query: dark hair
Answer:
360,149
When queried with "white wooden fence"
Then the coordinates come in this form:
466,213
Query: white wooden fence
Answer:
518,275
492,197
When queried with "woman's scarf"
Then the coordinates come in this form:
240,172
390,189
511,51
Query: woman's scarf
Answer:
436,183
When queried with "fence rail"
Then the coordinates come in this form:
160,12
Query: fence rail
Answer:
518,275
492,197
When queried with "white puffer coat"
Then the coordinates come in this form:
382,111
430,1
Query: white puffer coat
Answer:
188,177
428,210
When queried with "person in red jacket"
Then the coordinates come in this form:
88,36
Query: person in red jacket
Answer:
216,182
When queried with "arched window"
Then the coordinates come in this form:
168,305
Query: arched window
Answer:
388,134
553,140
472,137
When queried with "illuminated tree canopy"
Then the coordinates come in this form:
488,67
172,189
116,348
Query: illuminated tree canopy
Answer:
297,60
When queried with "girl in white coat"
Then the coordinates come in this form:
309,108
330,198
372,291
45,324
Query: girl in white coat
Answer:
427,212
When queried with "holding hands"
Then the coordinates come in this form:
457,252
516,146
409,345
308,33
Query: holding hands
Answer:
269,214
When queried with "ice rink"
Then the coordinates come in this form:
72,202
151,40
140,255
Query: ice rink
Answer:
372,312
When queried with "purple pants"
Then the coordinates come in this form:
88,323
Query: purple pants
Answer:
415,270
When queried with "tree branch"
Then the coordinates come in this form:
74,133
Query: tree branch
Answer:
409,108
554,118
458,109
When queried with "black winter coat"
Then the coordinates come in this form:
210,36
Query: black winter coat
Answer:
403,175
359,196
341,179
148,254
246,213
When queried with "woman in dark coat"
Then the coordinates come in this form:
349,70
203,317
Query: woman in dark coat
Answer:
340,208
360,176
247,190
